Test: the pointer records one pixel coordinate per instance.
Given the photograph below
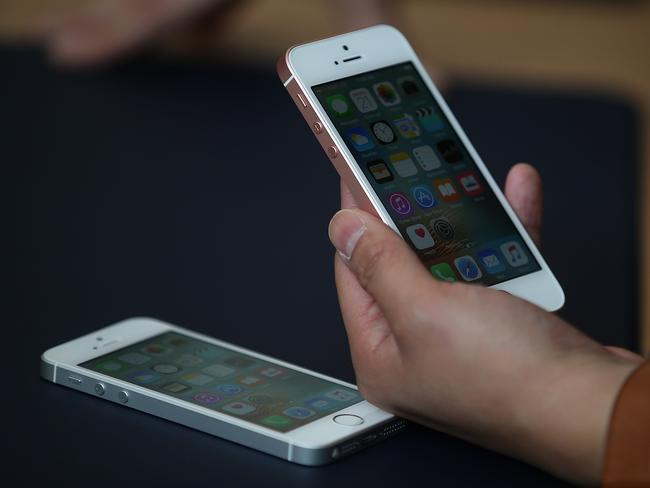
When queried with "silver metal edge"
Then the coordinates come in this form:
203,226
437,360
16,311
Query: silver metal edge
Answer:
240,435
47,370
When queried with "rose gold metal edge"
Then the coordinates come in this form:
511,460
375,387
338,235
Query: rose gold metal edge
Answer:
324,138
282,67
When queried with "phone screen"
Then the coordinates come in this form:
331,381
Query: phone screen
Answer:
425,177
229,382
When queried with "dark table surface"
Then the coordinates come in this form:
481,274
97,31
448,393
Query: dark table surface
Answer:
196,194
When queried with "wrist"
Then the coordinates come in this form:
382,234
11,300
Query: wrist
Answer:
564,420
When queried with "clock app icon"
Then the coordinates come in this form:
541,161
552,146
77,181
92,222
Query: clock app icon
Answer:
383,132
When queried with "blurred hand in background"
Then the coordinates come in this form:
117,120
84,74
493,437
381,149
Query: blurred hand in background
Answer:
104,30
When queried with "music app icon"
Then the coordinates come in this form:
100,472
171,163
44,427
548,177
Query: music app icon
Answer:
514,254
400,204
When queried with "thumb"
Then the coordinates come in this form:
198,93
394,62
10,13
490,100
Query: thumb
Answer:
383,264
524,191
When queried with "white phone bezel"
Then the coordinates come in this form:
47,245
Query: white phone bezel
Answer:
380,47
320,433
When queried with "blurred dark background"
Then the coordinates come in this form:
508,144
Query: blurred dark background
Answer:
183,184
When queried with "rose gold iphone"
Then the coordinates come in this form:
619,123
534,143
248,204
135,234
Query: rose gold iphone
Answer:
402,153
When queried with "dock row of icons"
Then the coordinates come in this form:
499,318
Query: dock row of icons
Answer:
491,261
445,188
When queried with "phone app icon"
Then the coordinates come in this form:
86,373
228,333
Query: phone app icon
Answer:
383,132
239,408
250,380
239,362
228,389
319,403
277,421
490,261
470,184
386,93
426,158
400,204
406,126
420,236
514,254
339,105
175,387
144,377
443,228
360,139
188,360
468,268
408,85
218,370
155,350
403,164
299,412
134,358
165,368
205,397
423,196
446,189
443,272
450,151
380,171
340,395
363,100
197,379
110,366
429,119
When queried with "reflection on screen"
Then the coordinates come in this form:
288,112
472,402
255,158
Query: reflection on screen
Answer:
425,177
229,382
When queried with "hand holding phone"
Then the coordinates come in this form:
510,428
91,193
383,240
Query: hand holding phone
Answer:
471,361
404,157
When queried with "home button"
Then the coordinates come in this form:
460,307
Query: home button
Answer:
348,419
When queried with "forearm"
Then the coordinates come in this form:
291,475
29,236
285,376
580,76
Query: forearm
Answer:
564,424
627,461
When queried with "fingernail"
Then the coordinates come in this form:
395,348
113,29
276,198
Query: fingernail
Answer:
345,230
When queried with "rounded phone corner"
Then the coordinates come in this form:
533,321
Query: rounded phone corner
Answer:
390,28
559,300
47,367
282,67
138,319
